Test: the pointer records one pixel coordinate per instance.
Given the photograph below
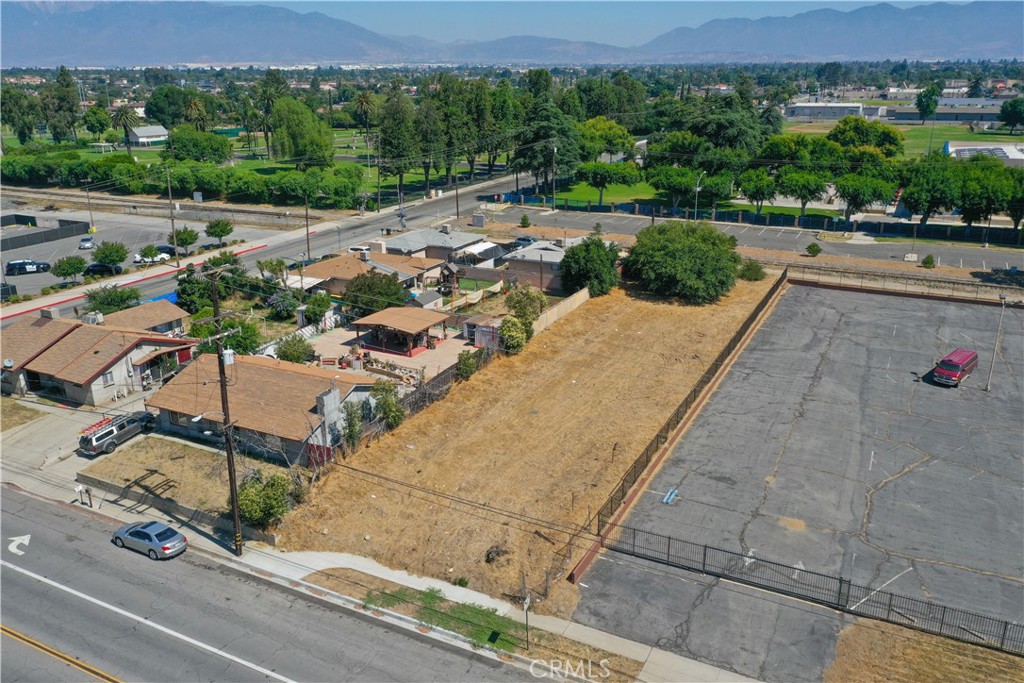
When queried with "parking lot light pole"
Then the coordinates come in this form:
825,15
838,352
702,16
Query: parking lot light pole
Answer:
995,349
696,193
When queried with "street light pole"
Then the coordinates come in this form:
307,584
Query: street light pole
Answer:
88,200
554,188
306,198
174,231
995,349
696,193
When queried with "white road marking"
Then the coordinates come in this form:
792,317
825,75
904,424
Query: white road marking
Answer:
584,585
888,363
744,230
983,266
894,330
147,622
16,541
881,587
762,231
871,463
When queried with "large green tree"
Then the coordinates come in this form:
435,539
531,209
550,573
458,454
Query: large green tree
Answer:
804,186
859,192
691,261
218,229
931,185
398,144
986,189
600,136
675,182
60,106
110,253
186,142
271,87
1011,113
856,131
600,175
126,118
590,264
758,186
299,136
167,105
96,120
111,298
69,267
374,291
551,138
21,111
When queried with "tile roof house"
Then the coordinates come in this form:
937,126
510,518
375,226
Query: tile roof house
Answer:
156,316
287,411
23,340
334,274
92,364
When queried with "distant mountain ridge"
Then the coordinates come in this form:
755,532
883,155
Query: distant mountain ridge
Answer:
165,33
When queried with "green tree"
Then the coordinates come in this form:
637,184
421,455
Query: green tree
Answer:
758,186
860,192
218,229
187,143
1011,113
976,86
59,102
149,253
184,239
166,105
366,107
548,130
353,429
96,120
294,349
751,270
385,403
600,135
244,337
691,261
525,303
374,291
110,253
21,111
193,291
126,119
300,136
506,119
1015,205
675,182
263,502
590,264
431,139
600,175
513,334
927,102
397,141
317,306
111,298
986,189
196,114
69,267
856,131
803,186
813,249
538,83
465,365
930,185
267,91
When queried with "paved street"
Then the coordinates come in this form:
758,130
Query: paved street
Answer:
186,619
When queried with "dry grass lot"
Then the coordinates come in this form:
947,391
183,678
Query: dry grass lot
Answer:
875,652
523,453
13,413
196,477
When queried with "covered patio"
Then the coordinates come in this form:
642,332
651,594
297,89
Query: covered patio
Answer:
403,330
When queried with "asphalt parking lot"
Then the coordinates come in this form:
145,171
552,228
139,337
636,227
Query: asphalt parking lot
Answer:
134,232
826,446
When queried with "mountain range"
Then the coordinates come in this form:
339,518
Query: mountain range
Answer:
108,34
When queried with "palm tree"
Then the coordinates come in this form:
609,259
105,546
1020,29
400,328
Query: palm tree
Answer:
195,113
126,119
365,107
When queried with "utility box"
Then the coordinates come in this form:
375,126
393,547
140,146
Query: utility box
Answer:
479,220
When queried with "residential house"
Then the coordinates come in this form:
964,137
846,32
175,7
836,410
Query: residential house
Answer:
538,264
93,364
144,136
155,316
437,244
286,411
333,275
23,340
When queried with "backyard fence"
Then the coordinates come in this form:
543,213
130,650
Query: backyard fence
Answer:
438,386
823,589
607,511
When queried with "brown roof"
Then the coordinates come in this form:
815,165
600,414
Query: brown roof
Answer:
404,319
89,350
147,316
348,266
27,337
265,395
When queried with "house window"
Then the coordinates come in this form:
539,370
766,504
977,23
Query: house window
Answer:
179,419
108,378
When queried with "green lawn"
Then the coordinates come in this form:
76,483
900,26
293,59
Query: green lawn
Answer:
778,210
582,192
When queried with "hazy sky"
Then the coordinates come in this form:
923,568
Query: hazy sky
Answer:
614,23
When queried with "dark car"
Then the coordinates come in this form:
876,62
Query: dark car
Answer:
157,540
103,269
25,266
166,249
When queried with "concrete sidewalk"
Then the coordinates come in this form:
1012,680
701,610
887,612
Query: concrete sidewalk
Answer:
26,466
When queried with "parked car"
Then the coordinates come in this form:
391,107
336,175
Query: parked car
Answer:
109,433
157,540
166,249
955,367
26,266
522,242
358,249
103,269
161,256
86,242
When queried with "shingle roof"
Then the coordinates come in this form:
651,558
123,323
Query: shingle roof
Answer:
548,252
348,266
404,319
417,240
426,298
149,131
265,395
89,350
147,316
27,337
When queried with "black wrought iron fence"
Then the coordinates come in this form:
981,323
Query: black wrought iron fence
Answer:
438,385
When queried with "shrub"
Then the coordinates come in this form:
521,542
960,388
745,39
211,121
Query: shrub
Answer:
751,270
524,222
513,333
465,365
928,261
261,503
295,350
45,290
282,305
813,249
386,404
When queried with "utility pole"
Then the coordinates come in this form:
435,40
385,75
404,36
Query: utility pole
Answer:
456,188
174,231
995,348
229,447
554,190
306,198
88,200
376,154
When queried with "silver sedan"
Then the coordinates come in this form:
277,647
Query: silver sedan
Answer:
157,540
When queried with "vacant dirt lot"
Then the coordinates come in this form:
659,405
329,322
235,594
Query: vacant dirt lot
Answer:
519,457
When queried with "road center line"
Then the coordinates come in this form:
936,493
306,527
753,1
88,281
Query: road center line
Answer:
147,622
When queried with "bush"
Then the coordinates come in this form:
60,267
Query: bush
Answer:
261,503
928,261
295,350
524,222
45,290
513,333
282,305
813,249
751,270
465,365
386,405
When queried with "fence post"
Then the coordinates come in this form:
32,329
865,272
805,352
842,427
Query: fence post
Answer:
942,619
1002,638
888,610
633,534
668,551
704,560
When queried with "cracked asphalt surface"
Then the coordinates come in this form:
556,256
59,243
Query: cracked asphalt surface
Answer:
828,445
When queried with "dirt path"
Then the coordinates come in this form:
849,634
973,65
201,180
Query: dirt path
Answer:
518,457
